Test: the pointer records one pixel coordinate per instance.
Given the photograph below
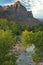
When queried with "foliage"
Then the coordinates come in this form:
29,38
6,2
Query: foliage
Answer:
6,42
10,33
38,42
10,60
15,27
36,38
4,24
26,38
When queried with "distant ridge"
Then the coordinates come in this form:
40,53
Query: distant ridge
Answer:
17,12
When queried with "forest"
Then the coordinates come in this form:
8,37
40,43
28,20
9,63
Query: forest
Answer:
11,32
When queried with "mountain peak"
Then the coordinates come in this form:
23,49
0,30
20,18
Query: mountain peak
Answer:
17,4
17,12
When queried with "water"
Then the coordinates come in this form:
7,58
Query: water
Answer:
26,57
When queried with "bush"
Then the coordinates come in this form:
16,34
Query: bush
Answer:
6,42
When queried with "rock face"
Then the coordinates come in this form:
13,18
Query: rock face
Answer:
1,11
17,12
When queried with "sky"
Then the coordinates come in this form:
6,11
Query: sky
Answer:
35,5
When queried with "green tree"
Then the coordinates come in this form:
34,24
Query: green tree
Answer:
36,38
10,60
38,42
26,38
4,24
6,42
15,27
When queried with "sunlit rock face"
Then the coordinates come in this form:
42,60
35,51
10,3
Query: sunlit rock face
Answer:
17,12
26,58
35,5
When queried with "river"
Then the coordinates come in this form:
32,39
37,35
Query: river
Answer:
25,58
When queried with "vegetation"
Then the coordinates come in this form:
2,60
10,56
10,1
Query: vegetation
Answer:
38,41
26,38
36,38
6,42
9,35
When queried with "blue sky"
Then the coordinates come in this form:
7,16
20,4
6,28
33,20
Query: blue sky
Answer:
2,2
35,5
